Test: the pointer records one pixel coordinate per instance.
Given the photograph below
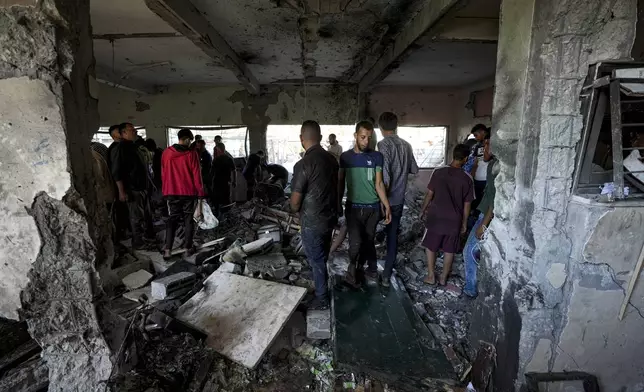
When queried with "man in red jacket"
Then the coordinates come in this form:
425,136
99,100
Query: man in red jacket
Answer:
183,189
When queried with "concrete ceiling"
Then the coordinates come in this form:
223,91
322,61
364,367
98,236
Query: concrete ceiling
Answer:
446,64
278,41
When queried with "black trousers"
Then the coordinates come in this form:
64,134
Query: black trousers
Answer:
220,195
361,227
178,210
138,206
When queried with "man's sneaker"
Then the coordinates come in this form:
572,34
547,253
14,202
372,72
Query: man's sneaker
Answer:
319,304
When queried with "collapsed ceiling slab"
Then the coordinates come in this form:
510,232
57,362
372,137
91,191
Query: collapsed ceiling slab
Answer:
184,17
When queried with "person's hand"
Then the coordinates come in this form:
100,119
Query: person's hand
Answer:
480,231
464,228
123,197
387,215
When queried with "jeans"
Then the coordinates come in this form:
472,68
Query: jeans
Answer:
471,256
392,239
317,243
180,209
361,227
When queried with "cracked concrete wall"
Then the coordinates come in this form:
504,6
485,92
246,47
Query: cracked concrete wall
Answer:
56,242
549,297
199,105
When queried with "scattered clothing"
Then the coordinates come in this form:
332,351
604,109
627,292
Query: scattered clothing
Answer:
335,150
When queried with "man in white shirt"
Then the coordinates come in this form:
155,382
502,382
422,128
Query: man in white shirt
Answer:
334,148
482,156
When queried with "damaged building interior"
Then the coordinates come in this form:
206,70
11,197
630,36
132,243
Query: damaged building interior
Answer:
558,84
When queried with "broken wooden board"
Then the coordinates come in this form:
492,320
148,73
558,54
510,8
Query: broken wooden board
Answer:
242,316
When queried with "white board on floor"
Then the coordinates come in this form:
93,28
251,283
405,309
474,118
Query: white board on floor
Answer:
241,316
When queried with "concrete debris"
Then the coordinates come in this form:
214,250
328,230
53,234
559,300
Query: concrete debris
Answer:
130,265
242,316
230,268
137,279
258,246
280,272
31,376
143,295
265,264
318,324
173,285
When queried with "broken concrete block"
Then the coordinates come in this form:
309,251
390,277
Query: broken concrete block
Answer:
413,275
137,279
265,263
295,266
241,316
172,285
258,246
438,333
159,265
230,268
318,324
142,263
144,293
293,278
280,272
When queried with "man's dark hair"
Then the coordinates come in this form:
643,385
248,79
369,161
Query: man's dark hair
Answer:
150,144
260,153
333,135
113,128
368,125
198,137
388,121
221,146
311,130
185,133
461,151
122,127
200,142
218,137
481,127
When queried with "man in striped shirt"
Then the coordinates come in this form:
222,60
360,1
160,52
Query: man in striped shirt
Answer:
398,163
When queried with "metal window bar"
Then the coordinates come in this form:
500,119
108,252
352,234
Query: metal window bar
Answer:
601,88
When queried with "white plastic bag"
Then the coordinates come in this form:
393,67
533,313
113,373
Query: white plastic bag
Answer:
208,220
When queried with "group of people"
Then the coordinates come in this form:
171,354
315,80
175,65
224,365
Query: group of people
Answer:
375,181
131,170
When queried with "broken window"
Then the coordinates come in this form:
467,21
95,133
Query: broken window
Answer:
233,136
284,147
103,135
612,144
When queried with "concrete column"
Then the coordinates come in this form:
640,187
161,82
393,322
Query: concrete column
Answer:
160,135
530,276
55,239
257,137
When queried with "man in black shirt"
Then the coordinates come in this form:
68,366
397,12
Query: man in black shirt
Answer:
251,174
223,168
315,197
131,177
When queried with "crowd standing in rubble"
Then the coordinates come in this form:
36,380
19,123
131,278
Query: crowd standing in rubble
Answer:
132,170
